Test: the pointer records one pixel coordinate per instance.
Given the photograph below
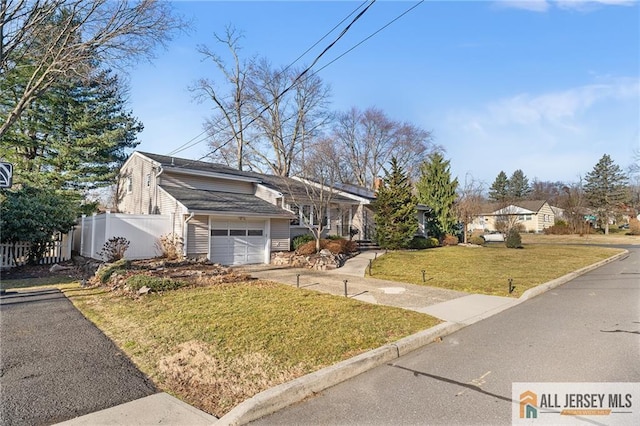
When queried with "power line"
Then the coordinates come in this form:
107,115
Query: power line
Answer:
323,67
283,92
190,143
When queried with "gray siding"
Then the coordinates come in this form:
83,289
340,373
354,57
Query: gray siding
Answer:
268,195
198,236
207,183
141,199
280,240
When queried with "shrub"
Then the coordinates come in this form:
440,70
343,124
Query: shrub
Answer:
104,273
300,240
514,240
560,228
171,246
156,284
477,240
340,246
114,249
450,240
421,243
634,227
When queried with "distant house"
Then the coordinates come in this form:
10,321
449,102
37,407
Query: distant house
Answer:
530,215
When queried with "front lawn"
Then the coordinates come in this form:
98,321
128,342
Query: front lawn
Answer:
486,270
216,346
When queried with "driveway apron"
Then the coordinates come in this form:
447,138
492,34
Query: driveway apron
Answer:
56,365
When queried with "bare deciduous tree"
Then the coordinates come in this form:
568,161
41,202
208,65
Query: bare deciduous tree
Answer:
368,139
227,128
288,109
574,204
69,34
469,203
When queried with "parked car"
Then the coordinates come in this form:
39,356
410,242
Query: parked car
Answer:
494,237
624,226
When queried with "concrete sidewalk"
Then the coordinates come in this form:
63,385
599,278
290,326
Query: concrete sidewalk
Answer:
447,305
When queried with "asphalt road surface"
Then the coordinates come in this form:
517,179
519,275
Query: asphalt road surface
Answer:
587,330
56,365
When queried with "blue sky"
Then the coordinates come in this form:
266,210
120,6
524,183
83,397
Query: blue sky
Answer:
543,86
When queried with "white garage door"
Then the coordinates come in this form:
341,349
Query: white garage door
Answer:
237,242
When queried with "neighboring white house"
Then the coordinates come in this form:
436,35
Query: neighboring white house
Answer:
530,215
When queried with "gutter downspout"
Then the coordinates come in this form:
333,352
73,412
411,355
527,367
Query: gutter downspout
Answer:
155,190
185,233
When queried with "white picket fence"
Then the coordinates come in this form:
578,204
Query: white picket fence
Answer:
142,232
59,250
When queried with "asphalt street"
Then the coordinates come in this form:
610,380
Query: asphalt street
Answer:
55,365
587,330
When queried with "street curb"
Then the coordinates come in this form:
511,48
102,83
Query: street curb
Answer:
285,394
542,288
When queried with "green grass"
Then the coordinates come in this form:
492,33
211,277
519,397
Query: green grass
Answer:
216,346
486,270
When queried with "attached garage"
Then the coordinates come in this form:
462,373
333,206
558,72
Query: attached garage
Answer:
238,242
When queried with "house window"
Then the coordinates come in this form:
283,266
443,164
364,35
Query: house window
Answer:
129,185
296,211
524,217
307,215
148,179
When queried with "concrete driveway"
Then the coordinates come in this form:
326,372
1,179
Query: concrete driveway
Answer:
56,365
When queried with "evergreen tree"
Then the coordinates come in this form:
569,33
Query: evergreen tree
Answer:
499,189
606,189
518,187
395,210
75,136
438,192
33,215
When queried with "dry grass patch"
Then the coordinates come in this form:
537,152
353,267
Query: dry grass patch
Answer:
486,270
216,346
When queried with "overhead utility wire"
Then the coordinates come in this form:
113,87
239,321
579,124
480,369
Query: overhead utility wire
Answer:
344,31
325,66
189,143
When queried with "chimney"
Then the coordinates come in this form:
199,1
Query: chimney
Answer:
377,183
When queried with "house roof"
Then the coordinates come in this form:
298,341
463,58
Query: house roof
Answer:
520,207
288,186
174,163
224,202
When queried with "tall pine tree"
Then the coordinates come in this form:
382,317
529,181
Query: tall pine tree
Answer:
438,192
499,188
75,136
606,189
518,187
395,210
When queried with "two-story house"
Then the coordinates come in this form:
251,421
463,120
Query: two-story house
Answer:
234,217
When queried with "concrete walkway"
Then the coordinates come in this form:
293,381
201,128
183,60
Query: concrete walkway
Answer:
447,305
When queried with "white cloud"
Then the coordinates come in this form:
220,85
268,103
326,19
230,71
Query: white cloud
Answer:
556,107
544,5
584,5
553,136
530,5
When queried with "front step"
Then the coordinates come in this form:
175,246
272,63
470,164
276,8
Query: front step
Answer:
364,245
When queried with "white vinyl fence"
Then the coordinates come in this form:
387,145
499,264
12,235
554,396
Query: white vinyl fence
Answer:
58,250
142,231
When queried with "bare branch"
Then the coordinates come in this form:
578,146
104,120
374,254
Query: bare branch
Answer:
56,38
